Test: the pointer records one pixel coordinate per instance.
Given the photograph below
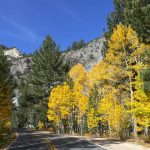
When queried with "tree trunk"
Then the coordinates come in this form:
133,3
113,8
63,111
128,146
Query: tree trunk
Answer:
81,126
131,97
134,118
110,133
146,131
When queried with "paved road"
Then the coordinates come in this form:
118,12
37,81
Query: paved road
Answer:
36,140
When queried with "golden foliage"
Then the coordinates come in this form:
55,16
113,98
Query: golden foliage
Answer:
5,104
119,96
41,125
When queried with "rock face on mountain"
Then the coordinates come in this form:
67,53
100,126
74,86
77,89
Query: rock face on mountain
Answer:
19,65
12,53
89,55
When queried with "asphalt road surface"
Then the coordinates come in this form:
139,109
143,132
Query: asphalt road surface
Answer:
38,140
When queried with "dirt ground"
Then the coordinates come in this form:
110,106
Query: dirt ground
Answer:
111,144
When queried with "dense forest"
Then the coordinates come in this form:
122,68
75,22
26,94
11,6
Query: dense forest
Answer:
112,99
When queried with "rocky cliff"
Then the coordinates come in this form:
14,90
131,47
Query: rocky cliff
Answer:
19,66
19,63
89,55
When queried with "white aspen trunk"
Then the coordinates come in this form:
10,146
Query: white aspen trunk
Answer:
132,99
72,122
146,131
109,129
58,129
81,126
134,118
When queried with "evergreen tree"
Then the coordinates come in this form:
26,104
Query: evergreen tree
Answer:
77,45
4,68
146,72
131,12
137,14
117,16
48,69
114,18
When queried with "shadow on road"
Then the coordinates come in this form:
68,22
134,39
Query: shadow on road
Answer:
66,143
29,140
38,140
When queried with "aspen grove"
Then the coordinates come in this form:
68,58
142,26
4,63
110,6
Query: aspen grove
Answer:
110,98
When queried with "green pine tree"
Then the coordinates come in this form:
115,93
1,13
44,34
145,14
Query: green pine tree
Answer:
130,12
4,68
137,14
49,68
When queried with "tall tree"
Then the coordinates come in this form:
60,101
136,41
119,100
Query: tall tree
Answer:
131,12
48,68
125,55
137,14
60,106
68,104
4,68
114,18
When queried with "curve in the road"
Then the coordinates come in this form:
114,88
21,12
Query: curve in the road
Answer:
38,140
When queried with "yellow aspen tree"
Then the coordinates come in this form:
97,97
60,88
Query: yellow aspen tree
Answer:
97,80
59,104
141,107
53,113
79,76
5,104
112,112
5,109
124,54
81,103
98,73
92,120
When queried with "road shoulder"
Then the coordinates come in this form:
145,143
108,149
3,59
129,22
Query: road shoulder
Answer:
13,141
111,144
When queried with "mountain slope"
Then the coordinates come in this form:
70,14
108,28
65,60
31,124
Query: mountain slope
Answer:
19,64
88,56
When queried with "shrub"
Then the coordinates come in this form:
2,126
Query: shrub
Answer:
41,125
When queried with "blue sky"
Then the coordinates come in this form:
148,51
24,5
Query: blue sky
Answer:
25,23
